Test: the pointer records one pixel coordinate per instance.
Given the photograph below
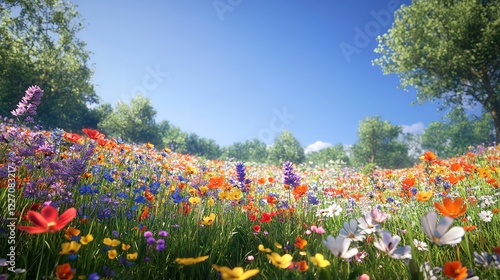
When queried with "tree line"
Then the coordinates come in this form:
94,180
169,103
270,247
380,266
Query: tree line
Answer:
447,50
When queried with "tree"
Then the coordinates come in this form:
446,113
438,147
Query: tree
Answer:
453,137
173,137
248,151
447,50
134,122
333,153
378,144
286,148
39,46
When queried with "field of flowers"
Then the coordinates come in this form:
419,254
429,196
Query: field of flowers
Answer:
83,206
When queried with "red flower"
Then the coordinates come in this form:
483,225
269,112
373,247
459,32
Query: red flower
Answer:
256,228
72,137
64,272
48,220
266,218
93,134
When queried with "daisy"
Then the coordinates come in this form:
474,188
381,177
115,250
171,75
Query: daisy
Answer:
387,244
352,231
421,246
339,246
486,216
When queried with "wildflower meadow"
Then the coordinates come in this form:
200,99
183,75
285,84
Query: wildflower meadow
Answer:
87,206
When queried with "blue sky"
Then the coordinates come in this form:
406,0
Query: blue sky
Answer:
233,70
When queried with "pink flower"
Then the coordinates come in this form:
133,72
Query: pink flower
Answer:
318,230
364,277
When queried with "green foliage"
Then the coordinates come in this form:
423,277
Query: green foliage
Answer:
334,153
248,151
378,144
286,148
204,147
458,133
133,123
38,46
448,50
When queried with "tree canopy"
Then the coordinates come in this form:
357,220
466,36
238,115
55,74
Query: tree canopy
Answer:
460,131
286,148
39,46
378,144
448,51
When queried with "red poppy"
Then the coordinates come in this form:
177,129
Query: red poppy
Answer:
408,183
93,134
72,137
455,270
299,191
215,182
429,156
271,199
265,218
48,220
256,228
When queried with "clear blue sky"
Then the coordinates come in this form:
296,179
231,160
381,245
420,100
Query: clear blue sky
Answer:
233,70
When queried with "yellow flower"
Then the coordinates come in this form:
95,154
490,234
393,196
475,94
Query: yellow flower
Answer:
70,232
280,261
190,261
224,195
320,261
194,200
192,191
263,249
125,247
203,189
111,242
235,194
112,254
86,239
211,202
132,257
208,221
236,273
424,196
70,248
277,245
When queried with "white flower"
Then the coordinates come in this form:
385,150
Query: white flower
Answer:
352,231
388,243
421,246
339,247
367,224
333,210
439,233
486,216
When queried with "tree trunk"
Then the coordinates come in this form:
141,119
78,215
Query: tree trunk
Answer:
495,111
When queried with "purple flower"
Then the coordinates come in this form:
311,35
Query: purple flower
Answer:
290,178
29,103
151,241
163,233
148,234
241,175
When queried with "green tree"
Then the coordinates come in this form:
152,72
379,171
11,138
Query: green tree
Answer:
459,131
39,46
286,148
202,147
173,137
133,123
333,153
248,151
378,144
447,50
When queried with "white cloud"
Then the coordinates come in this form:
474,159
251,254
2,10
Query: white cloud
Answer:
316,146
416,128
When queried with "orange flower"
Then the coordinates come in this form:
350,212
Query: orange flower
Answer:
301,266
215,182
271,199
299,191
455,270
261,181
72,137
300,243
64,272
424,196
451,208
270,180
408,183
429,156
469,228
